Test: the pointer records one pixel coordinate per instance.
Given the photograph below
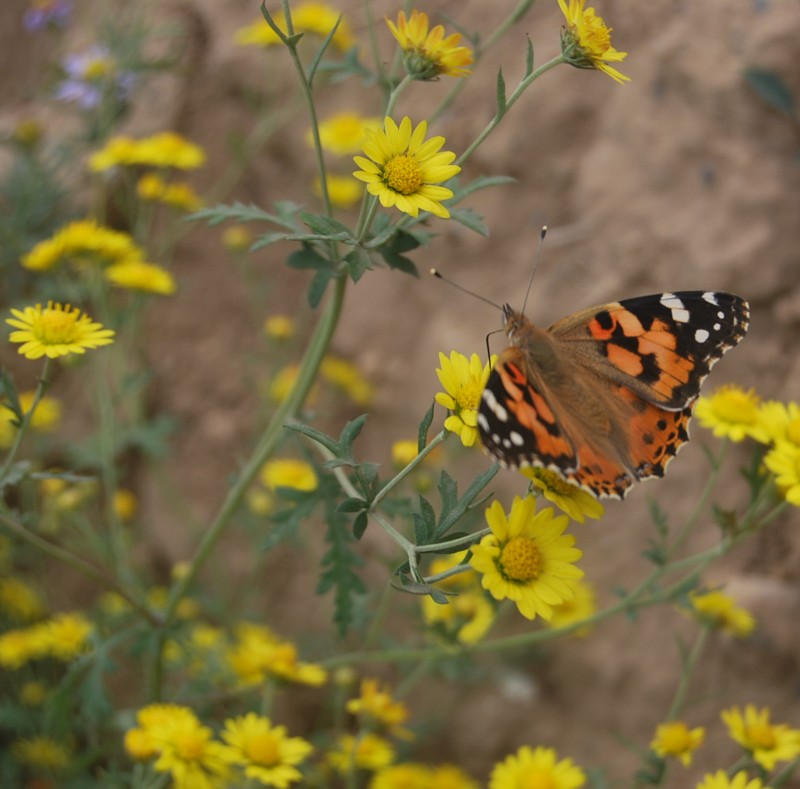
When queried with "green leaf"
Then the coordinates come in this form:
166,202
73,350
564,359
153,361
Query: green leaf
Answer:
449,517
771,89
501,94
468,218
266,239
240,212
321,51
398,262
357,261
316,290
529,57
330,443
424,522
405,584
325,225
481,182
307,257
360,525
352,504
424,426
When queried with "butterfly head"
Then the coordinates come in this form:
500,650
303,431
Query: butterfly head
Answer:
513,321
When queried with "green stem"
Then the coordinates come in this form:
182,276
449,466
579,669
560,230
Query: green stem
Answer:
41,387
395,94
686,674
510,102
469,539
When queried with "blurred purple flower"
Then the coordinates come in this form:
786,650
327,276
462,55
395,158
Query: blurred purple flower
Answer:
91,75
47,12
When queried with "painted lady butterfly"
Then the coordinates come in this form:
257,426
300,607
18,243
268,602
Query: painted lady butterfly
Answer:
605,396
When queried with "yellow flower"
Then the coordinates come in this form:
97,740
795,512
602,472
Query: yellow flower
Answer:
344,133
366,752
346,376
42,752
66,636
125,504
279,327
403,452
138,275
674,738
720,780
732,413
166,149
768,743
534,768
784,462
56,330
317,18
264,751
82,241
464,381
260,502
465,619
19,601
403,776
237,238
527,558
403,169
448,776
579,608
377,708
427,54
18,647
289,473
576,502
586,40
343,191
717,609
153,188
32,694
156,721
45,418
781,422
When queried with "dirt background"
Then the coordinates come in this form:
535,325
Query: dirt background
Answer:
681,179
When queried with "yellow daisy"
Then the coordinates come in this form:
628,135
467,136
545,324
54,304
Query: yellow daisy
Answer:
367,752
720,780
719,610
56,330
403,169
580,607
768,743
344,375
536,767
781,421
408,775
586,40
289,473
527,558
428,53
316,18
165,149
576,502
732,413
138,275
343,133
784,462
343,191
675,738
464,381
377,708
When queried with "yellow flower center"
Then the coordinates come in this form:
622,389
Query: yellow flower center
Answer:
468,397
538,779
762,735
55,327
403,174
595,37
190,745
521,559
262,748
98,69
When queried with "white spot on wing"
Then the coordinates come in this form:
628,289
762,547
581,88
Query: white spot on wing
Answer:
711,298
717,326
500,412
483,422
516,438
679,313
701,335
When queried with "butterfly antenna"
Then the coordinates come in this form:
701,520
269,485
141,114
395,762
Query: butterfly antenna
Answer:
478,296
533,268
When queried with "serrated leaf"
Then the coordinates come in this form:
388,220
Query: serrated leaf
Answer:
448,491
351,431
324,439
307,257
317,287
449,519
240,212
357,261
266,239
398,262
324,225
424,426
470,219
771,89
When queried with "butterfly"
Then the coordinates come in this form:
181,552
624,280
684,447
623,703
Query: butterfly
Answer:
604,396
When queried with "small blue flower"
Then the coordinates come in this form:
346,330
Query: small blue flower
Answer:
91,75
47,12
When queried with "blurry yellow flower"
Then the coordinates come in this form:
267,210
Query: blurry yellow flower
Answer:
427,54
283,383
66,636
237,238
529,767
377,709
156,723
781,422
166,149
732,413
586,40
56,330
403,452
310,17
27,133
82,241
405,170
138,275
32,694
260,502
571,499
783,461
344,133
717,609
580,607
125,504
767,743
720,780
17,647
151,187
674,738
343,191
20,601
463,381
527,558
448,776
344,375
289,473
465,619
279,327
408,775
366,752
47,414
42,752
264,752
